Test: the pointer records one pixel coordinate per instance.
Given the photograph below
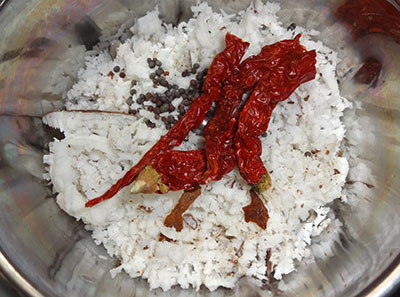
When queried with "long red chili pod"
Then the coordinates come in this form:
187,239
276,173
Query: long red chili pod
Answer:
182,170
223,65
296,68
220,130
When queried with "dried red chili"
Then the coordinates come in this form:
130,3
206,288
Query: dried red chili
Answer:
275,73
220,130
181,170
218,136
293,68
223,65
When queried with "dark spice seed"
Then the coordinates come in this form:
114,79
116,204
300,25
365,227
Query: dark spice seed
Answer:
164,107
168,93
158,62
129,101
180,106
133,82
171,108
181,112
156,110
157,117
159,103
150,108
181,90
191,88
164,119
150,124
149,96
149,60
116,69
164,83
122,75
199,76
154,100
175,87
176,93
152,64
132,92
307,154
159,72
133,111
193,82
291,27
186,102
196,65
155,81
184,73
168,125
170,119
193,71
152,75
140,100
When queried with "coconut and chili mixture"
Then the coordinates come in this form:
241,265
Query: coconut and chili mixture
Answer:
201,153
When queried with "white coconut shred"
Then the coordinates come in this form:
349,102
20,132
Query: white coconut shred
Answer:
216,246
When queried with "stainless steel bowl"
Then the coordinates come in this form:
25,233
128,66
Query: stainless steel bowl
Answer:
47,253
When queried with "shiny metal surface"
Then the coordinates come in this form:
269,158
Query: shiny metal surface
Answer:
47,253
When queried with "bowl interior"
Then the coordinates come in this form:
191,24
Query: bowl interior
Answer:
47,252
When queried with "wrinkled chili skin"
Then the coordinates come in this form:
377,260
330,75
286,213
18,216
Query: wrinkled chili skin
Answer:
292,69
181,170
220,130
219,134
223,65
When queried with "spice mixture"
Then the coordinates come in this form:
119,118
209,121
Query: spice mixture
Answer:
163,81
